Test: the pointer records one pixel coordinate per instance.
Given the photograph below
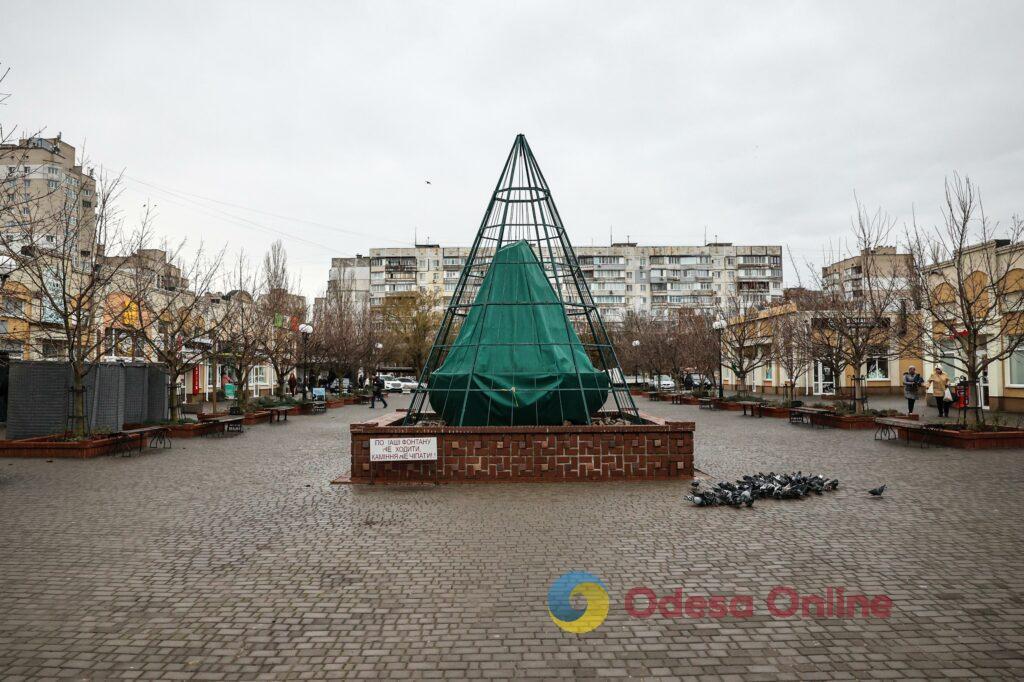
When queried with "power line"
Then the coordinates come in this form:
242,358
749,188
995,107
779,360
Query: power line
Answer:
186,196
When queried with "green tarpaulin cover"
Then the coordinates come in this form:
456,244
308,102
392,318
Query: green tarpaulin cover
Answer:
517,360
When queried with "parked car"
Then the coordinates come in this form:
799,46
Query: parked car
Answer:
391,384
408,384
662,383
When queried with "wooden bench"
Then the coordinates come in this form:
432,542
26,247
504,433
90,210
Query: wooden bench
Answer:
753,406
159,436
232,424
653,396
887,428
802,415
279,414
705,403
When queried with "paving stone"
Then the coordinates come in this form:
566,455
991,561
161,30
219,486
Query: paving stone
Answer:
215,561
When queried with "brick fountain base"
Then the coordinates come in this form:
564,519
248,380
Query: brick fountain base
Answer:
654,450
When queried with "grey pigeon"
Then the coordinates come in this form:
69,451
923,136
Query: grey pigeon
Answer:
877,492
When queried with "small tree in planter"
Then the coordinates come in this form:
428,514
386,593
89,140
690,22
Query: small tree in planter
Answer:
62,258
853,324
244,327
343,333
701,341
283,312
744,342
178,322
968,277
790,330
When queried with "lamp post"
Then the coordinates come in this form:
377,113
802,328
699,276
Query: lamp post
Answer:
719,326
305,329
636,360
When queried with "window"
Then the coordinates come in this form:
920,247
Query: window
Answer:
52,350
877,368
1016,362
211,376
258,376
51,184
768,372
12,307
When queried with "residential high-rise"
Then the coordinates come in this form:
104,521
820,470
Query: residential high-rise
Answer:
351,275
46,194
882,265
624,276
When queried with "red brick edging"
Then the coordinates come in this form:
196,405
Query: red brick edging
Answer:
659,449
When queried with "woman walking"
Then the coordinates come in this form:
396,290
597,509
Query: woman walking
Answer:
939,384
911,380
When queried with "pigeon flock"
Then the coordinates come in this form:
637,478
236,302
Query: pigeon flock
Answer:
762,486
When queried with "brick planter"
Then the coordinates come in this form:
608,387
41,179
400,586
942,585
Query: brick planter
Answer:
777,412
851,422
332,404
656,449
728,405
968,440
257,417
208,416
193,430
52,448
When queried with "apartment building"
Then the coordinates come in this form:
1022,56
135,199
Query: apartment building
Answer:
622,277
350,275
48,205
46,194
877,267
626,276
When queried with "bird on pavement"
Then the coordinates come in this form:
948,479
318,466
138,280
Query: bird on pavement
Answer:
877,492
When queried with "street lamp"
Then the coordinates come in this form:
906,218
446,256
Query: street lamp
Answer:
719,326
305,329
636,360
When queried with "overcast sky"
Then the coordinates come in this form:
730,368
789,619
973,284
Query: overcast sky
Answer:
653,120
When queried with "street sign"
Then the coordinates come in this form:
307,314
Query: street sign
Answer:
403,449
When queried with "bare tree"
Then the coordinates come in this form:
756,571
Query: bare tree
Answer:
968,277
176,324
790,329
244,327
344,337
744,341
66,252
856,317
701,340
283,312
408,325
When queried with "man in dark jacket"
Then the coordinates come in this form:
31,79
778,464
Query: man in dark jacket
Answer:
378,391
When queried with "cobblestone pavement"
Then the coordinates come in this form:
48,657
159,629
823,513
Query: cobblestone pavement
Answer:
236,559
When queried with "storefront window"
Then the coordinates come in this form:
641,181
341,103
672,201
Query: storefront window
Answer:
1016,362
878,368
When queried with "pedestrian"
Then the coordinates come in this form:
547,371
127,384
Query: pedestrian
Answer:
378,391
911,381
939,384
688,382
292,383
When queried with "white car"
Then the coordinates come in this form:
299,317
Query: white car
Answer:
391,384
408,384
663,383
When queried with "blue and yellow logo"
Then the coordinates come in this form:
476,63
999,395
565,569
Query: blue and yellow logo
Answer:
578,584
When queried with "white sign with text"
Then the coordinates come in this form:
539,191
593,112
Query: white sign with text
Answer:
403,449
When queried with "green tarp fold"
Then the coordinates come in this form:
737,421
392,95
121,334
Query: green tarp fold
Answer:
517,360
